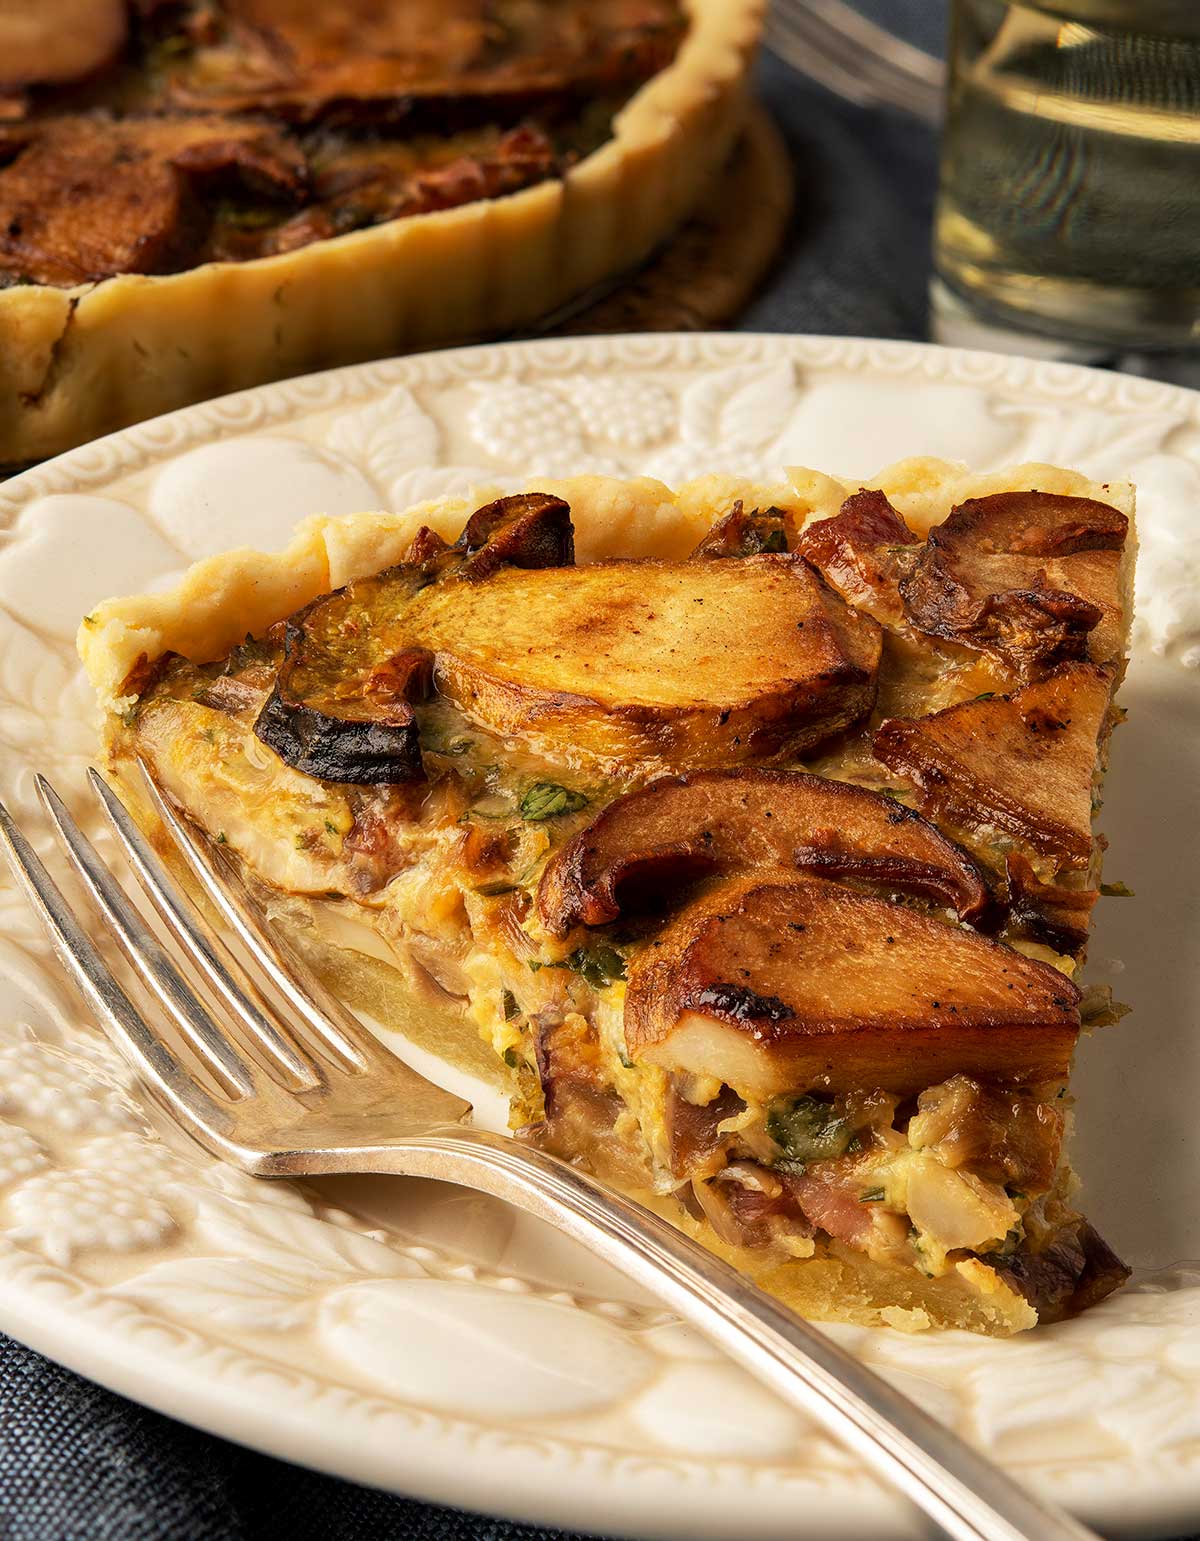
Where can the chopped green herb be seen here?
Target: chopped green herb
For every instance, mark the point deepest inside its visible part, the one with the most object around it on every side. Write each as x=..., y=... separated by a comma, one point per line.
x=872, y=1196
x=985, y=695
x=509, y=1002
x=806, y=1129
x=454, y=746
x=331, y=826
x=129, y=717
x=1016, y=1193
x=546, y=800
x=628, y=1063
x=775, y=541
x=493, y=890
x=221, y=840
x=599, y=965
x=1116, y=891
x=89, y=620
x=510, y=1058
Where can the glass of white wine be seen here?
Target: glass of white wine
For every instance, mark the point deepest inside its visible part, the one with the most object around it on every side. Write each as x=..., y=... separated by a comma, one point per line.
x=1069, y=201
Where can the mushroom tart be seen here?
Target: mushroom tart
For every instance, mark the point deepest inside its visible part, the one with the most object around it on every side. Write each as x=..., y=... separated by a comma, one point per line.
x=201, y=195
x=750, y=848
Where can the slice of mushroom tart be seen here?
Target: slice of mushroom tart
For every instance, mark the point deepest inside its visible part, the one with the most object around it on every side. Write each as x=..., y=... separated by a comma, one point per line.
x=744, y=834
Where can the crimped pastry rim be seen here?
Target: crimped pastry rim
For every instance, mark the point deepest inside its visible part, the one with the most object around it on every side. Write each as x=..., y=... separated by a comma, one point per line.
x=71, y=359
x=221, y=598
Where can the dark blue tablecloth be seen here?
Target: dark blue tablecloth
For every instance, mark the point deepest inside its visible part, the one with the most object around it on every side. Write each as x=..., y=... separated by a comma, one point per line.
x=79, y=1462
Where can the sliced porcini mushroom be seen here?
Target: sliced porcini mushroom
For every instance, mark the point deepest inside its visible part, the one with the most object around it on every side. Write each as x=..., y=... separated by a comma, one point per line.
x=1073, y=1271
x=361, y=63
x=1049, y=912
x=342, y=705
x=862, y=552
x=743, y=532
x=54, y=42
x=651, y=663
x=654, y=663
x=1023, y=763
x=1003, y=1134
x=529, y=529
x=730, y=822
x=778, y=988
x=131, y=208
x=1026, y=576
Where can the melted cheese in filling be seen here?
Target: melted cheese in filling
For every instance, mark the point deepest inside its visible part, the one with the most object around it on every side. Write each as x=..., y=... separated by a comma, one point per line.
x=447, y=904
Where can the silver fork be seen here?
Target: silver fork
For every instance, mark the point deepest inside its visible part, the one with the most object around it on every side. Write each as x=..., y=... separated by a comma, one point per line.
x=831, y=42
x=309, y=1092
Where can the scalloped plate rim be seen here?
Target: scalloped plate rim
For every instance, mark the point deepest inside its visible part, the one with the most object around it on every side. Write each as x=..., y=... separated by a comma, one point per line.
x=629, y=1494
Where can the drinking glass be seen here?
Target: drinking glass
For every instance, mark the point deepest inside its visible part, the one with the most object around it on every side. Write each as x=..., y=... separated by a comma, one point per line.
x=1069, y=199
x=1068, y=214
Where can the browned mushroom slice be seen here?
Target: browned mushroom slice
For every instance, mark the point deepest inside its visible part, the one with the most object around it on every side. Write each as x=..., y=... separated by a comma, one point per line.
x=1024, y=763
x=667, y=664
x=436, y=63
x=54, y=42
x=129, y=210
x=1049, y=912
x=530, y=529
x=1003, y=1134
x=791, y=987
x=341, y=708
x=860, y=551
x=746, y=533
x=1028, y=576
x=736, y=821
x=1071, y=1272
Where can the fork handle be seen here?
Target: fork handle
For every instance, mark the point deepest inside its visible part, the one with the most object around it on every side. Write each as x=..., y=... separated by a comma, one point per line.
x=968, y=1496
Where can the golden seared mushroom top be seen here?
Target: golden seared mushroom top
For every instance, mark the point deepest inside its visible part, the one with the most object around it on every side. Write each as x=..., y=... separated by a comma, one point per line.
x=807, y=984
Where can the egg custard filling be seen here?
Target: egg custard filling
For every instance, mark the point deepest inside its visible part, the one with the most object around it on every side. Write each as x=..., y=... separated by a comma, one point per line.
x=745, y=834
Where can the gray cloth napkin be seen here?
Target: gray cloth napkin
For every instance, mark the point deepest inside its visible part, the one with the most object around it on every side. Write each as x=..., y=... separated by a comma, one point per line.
x=78, y=1462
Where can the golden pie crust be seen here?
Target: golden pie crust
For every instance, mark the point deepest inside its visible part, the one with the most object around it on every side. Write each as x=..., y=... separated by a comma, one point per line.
x=79, y=362
x=221, y=599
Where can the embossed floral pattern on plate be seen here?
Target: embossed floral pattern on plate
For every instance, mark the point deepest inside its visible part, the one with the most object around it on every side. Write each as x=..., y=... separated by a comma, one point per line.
x=433, y=1341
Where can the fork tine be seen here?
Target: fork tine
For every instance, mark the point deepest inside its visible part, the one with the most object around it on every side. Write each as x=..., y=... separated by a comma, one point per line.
x=149, y=1056
x=834, y=44
x=176, y=914
x=141, y=947
x=334, y=1026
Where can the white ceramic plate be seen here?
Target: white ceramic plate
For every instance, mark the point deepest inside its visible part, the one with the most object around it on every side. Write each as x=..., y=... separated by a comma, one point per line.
x=418, y=1337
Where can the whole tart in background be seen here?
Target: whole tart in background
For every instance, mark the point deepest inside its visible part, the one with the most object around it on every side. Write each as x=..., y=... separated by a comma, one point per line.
x=197, y=197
